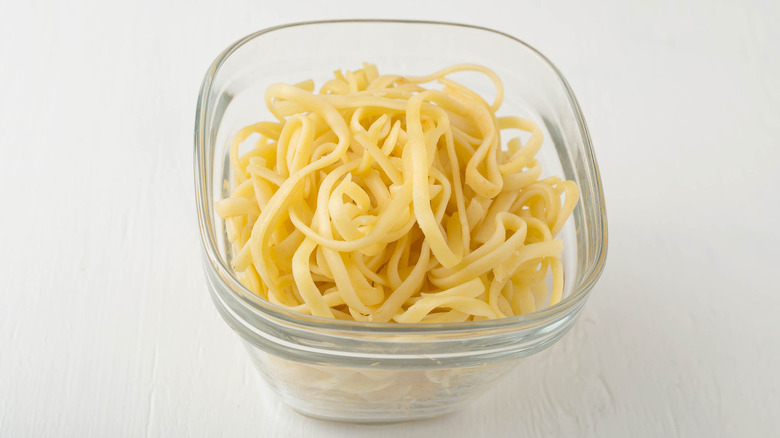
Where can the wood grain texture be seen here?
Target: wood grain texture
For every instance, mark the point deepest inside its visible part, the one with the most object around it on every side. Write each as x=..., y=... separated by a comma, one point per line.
x=106, y=327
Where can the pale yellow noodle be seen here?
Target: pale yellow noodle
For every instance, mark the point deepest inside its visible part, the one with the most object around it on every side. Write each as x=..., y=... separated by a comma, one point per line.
x=377, y=199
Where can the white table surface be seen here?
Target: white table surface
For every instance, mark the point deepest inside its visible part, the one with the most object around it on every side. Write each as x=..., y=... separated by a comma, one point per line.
x=106, y=326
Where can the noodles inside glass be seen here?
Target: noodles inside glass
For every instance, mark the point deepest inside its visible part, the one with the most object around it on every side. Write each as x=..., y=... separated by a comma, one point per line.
x=378, y=199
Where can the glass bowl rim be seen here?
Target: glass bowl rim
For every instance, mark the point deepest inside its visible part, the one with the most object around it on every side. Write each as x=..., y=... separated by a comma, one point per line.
x=267, y=310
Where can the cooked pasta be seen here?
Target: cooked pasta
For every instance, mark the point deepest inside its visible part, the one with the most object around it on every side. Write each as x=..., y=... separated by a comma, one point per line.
x=377, y=199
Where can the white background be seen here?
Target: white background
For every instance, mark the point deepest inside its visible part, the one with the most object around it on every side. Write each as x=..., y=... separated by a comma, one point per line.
x=106, y=326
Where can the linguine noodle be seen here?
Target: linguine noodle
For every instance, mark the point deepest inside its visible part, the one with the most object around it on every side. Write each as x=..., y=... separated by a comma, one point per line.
x=377, y=199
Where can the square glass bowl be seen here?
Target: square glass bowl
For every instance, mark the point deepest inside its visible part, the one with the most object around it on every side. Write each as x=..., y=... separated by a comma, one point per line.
x=381, y=372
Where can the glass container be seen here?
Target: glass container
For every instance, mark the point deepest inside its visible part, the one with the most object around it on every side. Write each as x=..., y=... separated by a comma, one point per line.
x=381, y=372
